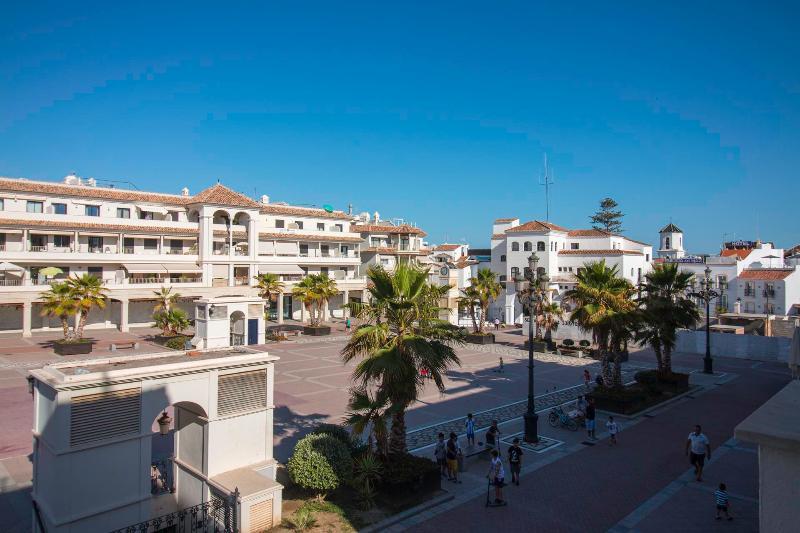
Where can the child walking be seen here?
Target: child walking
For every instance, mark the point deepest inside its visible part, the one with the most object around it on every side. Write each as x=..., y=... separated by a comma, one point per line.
x=497, y=477
x=470, y=425
x=721, y=498
x=613, y=429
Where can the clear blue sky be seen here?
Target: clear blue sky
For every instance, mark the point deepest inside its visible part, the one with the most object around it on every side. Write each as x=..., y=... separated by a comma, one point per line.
x=436, y=112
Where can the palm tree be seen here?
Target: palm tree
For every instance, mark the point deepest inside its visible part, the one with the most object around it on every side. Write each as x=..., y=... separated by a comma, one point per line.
x=88, y=292
x=470, y=298
x=400, y=338
x=370, y=411
x=314, y=291
x=59, y=302
x=269, y=285
x=549, y=319
x=171, y=322
x=488, y=290
x=165, y=299
x=325, y=289
x=603, y=303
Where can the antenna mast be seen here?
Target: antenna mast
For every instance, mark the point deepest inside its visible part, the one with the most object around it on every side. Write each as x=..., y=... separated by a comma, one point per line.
x=546, y=181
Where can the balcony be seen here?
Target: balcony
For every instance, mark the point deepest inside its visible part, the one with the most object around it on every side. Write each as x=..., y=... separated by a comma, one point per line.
x=175, y=251
x=749, y=292
x=10, y=282
x=37, y=248
x=240, y=281
x=161, y=280
x=128, y=250
x=768, y=293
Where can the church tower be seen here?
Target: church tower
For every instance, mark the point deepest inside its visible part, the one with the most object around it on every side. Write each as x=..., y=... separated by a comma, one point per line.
x=671, y=242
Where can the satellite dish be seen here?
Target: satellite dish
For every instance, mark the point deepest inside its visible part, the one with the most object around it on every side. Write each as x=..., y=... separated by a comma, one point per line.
x=328, y=208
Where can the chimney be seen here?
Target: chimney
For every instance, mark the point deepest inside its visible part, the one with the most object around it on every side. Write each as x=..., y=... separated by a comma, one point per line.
x=264, y=199
x=185, y=191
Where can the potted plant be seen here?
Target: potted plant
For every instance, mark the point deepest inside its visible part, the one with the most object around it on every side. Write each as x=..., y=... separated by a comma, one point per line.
x=314, y=291
x=74, y=297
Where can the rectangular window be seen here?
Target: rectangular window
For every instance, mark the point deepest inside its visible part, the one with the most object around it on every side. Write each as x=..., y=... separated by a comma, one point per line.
x=324, y=250
x=278, y=223
x=145, y=215
x=95, y=244
x=59, y=209
x=34, y=207
x=2, y=204
x=176, y=246
x=323, y=271
x=299, y=224
x=151, y=244
x=303, y=250
x=92, y=210
x=320, y=226
x=647, y=257
x=574, y=246
x=97, y=272
x=344, y=250
x=339, y=227
x=127, y=245
x=374, y=241
x=61, y=241
x=123, y=212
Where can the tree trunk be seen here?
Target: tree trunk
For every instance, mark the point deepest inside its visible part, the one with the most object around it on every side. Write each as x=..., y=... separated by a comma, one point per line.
x=605, y=366
x=659, y=359
x=483, y=319
x=667, y=365
x=617, y=377
x=82, y=324
x=397, y=439
x=474, y=320
x=65, y=325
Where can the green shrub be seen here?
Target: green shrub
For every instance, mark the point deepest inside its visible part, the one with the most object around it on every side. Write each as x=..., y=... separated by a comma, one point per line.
x=568, y=342
x=301, y=520
x=583, y=343
x=321, y=463
x=177, y=343
x=341, y=434
x=646, y=377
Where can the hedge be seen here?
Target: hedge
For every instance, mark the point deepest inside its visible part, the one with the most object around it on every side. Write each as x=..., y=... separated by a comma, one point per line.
x=321, y=463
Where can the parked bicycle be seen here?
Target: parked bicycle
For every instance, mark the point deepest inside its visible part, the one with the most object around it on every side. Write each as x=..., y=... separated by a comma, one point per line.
x=559, y=418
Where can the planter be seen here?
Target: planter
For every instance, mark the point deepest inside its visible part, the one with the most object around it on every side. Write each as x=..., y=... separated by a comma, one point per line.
x=676, y=383
x=538, y=346
x=570, y=352
x=316, y=331
x=477, y=338
x=72, y=348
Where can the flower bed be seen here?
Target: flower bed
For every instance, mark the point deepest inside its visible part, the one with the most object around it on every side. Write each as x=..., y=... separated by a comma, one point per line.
x=650, y=389
x=73, y=347
x=480, y=338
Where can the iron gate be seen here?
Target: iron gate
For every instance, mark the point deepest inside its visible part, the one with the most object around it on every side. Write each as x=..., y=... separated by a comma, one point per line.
x=220, y=515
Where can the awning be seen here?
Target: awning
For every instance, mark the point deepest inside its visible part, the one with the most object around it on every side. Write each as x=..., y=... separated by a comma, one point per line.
x=153, y=209
x=279, y=269
x=183, y=268
x=144, y=268
x=10, y=267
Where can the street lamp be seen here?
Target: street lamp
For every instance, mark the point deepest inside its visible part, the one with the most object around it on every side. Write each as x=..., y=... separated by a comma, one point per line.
x=531, y=294
x=706, y=294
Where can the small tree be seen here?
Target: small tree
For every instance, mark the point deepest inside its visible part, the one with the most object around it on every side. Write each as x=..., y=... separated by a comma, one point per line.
x=488, y=290
x=269, y=285
x=314, y=291
x=171, y=322
x=470, y=299
x=165, y=299
x=59, y=302
x=550, y=319
x=88, y=292
x=320, y=463
x=608, y=217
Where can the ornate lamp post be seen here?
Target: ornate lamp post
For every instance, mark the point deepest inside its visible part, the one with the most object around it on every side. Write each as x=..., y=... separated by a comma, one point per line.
x=706, y=294
x=531, y=294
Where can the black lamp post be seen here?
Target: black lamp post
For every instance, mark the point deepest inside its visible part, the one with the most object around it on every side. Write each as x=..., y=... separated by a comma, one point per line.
x=531, y=294
x=706, y=294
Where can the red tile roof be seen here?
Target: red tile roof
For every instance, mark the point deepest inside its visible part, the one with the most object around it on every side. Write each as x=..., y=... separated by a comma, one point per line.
x=387, y=228
x=308, y=237
x=740, y=253
x=766, y=274
x=279, y=209
x=85, y=191
x=221, y=195
x=537, y=226
x=589, y=233
x=504, y=220
x=599, y=252
x=123, y=228
x=447, y=248
x=497, y=236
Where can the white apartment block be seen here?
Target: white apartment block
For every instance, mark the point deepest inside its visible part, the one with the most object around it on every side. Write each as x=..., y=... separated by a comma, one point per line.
x=561, y=252
x=387, y=243
x=211, y=243
x=450, y=264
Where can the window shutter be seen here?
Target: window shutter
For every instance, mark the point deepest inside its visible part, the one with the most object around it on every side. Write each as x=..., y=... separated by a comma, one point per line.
x=242, y=392
x=104, y=415
x=261, y=516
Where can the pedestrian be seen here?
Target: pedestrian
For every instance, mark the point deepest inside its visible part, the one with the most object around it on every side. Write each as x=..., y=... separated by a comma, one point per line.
x=501, y=369
x=698, y=448
x=347, y=325
x=590, y=414
x=587, y=377
x=452, y=453
x=515, y=461
x=493, y=436
x=440, y=453
x=497, y=324
x=613, y=429
x=723, y=505
x=470, y=425
x=496, y=477
x=599, y=380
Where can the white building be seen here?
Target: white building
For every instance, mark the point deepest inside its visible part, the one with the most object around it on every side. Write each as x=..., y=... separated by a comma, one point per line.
x=671, y=242
x=451, y=264
x=387, y=243
x=561, y=252
x=211, y=243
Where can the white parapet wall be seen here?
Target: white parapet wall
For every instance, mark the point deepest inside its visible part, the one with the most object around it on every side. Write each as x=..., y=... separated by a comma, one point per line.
x=739, y=346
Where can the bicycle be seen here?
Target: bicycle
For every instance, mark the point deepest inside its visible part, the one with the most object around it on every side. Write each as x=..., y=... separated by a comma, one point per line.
x=559, y=418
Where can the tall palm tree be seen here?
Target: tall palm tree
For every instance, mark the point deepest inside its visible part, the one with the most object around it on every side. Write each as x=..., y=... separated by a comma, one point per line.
x=325, y=288
x=488, y=290
x=269, y=285
x=59, y=302
x=603, y=302
x=470, y=298
x=400, y=337
x=165, y=299
x=88, y=292
x=549, y=319
x=367, y=411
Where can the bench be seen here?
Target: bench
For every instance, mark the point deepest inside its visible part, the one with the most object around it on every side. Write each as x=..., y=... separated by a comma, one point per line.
x=116, y=345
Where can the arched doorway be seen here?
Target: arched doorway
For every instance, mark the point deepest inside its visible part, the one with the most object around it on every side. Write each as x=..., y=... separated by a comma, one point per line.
x=238, y=328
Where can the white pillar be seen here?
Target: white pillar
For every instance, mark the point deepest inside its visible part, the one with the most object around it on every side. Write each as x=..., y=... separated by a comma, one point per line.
x=252, y=238
x=230, y=275
x=280, y=308
x=123, y=316
x=345, y=300
x=27, y=312
x=107, y=312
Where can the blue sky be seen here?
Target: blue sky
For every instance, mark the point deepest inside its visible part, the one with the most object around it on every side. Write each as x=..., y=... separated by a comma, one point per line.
x=436, y=112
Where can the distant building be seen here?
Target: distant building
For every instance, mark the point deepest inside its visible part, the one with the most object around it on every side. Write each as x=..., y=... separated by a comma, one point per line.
x=671, y=242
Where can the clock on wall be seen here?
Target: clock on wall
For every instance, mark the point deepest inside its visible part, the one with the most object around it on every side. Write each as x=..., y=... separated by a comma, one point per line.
x=444, y=271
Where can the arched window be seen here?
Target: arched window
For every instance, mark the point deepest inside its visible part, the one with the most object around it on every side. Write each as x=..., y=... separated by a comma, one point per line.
x=666, y=243
x=514, y=272
x=503, y=258
x=528, y=246
x=515, y=247
x=540, y=246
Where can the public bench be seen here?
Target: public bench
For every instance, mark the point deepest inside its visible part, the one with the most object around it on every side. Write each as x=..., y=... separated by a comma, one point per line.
x=117, y=345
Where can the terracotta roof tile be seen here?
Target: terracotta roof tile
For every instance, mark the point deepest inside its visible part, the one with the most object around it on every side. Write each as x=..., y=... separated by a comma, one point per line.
x=447, y=248
x=536, y=225
x=278, y=209
x=498, y=236
x=387, y=228
x=504, y=220
x=766, y=274
x=589, y=233
x=125, y=228
x=308, y=237
x=739, y=253
x=85, y=191
x=599, y=252
x=221, y=195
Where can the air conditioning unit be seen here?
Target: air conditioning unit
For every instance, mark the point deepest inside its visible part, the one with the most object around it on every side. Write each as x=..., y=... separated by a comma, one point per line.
x=292, y=225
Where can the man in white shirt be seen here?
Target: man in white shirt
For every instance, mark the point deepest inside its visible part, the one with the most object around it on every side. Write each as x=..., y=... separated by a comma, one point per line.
x=698, y=449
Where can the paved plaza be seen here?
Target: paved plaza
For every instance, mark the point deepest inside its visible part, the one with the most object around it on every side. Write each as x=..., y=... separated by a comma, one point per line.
x=641, y=485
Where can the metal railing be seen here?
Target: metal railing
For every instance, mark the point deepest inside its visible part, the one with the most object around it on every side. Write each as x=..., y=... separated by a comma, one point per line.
x=162, y=477
x=127, y=249
x=174, y=251
x=37, y=248
x=10, y=282
x=769, y=293
x=220, y=515
x=240, y=280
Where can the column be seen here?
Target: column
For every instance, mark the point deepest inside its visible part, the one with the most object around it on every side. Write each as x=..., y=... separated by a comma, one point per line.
x=364, y=296
x=345, y=300
x=252, y=238
x=27, y=312
x=302, y=313
x=121, y=243
x=76, y=245
x=123, y=316
x=280, y=308
x=230, y=275
x=161, y=244
x=107, y=312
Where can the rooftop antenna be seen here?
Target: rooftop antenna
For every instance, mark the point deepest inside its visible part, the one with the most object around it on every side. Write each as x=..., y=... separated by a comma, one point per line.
x=546, y=181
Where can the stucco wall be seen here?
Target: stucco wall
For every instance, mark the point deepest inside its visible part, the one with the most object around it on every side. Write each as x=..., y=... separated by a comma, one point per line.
x=739, y=346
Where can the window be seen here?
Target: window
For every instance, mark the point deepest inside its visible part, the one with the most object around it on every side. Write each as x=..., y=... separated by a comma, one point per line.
x=528, y=246
x=540, y=246
x=573, y=246
x=515, y=247
x=303, y=250
x=384, y=261
x=145, y=215
x=59, y=209
x=503, y=258
x=61, y=241
x=374, y=242
x=173, y=216
x=324, y=250
x=527, y=271
x=560, y=269
x=127, y=245
x=639, y=273
x=176, y=246
x=34, y=207
x=514, y=272
x=95, y=244
x=92, y=210
x=344, y=250
x=666, y=243
x=323, y=271
x=502, y=279
x=647, y=257
x=299, y=224
x=338, y=227
x=123, y=212
x=2, y=204
x=279, y=223
x=570, y=269
x=97, y=272
x=320, y=226
x=151, y=244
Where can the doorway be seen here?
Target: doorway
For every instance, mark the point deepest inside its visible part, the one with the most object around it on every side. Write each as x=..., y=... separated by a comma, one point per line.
x=252, y=331
x=287, y=306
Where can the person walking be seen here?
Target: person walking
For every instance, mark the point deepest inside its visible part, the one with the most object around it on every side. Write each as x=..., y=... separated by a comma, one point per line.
x=493, y=436
x=440, y=453
x=452, y=452
x=722, y=501
x=515, y=461
x=698, y=449
x=587, y=378
x=497, y=324
x=590, y=415
x=496, y=477
x=347, y=325
x=613, y=429
x=470, y=425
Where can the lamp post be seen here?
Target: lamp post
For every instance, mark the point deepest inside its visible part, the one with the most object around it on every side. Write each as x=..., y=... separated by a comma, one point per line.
x=706, y=294
x=531, y=293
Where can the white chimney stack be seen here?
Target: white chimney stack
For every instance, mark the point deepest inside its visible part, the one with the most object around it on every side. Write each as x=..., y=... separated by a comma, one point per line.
x=185, y=191
x=264, y=199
